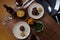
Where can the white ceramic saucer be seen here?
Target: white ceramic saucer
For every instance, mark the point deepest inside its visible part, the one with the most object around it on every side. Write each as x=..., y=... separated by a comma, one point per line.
x=17, y=31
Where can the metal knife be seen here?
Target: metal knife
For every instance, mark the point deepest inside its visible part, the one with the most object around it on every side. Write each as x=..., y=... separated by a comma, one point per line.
x=28, y=4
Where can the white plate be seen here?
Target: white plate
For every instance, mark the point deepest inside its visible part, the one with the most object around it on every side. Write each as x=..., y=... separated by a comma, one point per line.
x=37, y=6
x=16, y=30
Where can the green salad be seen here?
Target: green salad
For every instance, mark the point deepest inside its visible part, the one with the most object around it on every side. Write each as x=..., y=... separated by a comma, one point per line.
x=38, y=27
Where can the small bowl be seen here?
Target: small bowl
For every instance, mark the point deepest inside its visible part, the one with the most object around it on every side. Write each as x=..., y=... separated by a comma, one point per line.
x=38, y=25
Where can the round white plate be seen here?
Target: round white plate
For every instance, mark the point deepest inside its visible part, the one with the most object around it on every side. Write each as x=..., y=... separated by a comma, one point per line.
x=37, y=6
x=17, y=31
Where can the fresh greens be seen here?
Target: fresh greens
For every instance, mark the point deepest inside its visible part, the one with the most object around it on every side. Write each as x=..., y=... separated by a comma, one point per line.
x=38, y=26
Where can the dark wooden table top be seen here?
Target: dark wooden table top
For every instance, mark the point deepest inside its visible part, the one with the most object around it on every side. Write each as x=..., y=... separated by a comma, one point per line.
x=51, y=28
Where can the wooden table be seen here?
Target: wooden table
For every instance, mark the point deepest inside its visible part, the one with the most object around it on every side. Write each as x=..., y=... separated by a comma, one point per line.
x=51, y=28
x=5, y=33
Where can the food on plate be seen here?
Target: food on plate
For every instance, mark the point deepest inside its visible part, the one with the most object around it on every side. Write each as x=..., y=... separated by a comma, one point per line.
x=40, y=9
x=22, y=34
x=35, y=11
x=22, y=28
x=20, y=13
x=31, y=21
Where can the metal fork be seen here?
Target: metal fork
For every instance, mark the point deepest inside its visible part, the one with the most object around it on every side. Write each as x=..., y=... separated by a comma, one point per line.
x=28, y=3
